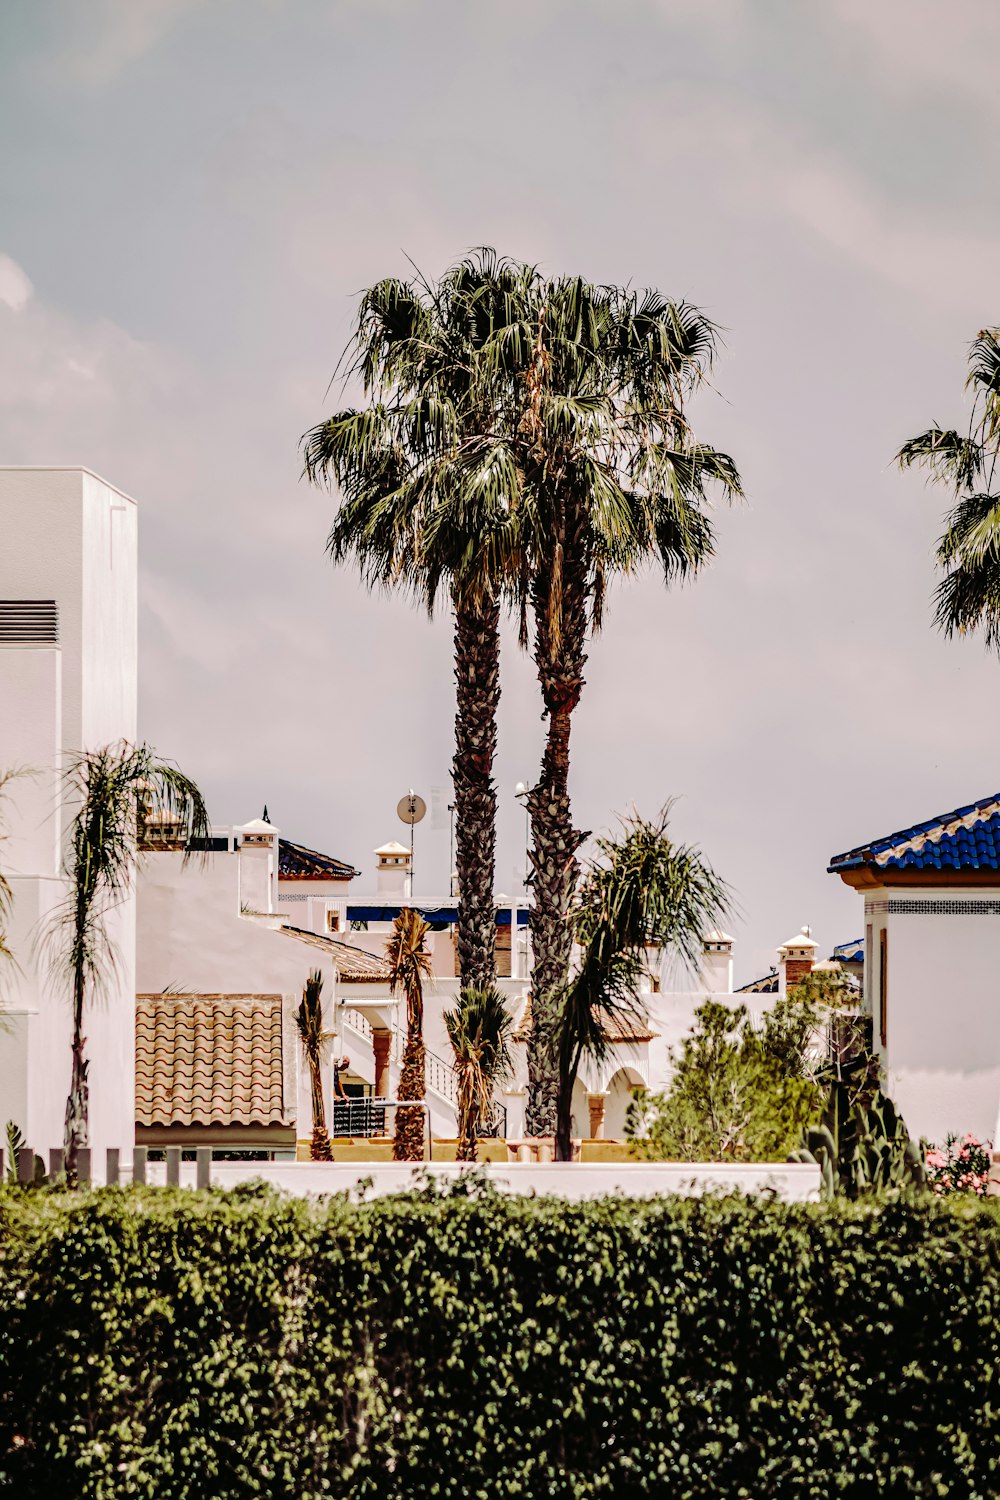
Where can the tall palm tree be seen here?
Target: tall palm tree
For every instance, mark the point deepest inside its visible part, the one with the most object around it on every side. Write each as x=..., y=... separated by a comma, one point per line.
x=120, y=790
x=427, y=506
x=611, y=477
x=968, y=595
x=639, y=890
x=309, y=1020
x=409, y=966
x=479, y=1029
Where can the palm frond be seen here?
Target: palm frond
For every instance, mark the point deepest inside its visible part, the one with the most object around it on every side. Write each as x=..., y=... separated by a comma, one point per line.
x=480, y=1031
x=946, y=454
x=640, y=890
x=409, y=962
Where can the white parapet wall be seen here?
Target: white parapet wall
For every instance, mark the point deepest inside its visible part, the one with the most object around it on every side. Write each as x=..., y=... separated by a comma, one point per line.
x=793, y=1182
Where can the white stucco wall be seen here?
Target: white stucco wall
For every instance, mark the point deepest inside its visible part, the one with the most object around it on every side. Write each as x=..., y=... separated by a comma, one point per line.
x=943, y=976
x=191, y=937
x=70, y=537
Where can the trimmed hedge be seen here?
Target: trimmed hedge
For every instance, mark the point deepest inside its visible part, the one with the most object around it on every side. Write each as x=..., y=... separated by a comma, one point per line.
x=175, y=1344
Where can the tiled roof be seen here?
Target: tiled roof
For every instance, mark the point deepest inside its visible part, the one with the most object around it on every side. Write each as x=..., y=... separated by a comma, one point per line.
x=767, y=985
x=616, y=1029
x=626, y=1028
x=966, y=839
x=208, y=1060
x=296, y=862
x=849, y=953
x=354, y=965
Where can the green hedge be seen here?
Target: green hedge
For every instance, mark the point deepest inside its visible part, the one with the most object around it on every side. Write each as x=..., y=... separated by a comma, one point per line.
x=174, y=1344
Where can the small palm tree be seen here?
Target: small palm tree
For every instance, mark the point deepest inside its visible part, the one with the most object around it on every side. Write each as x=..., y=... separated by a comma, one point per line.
x=640, y=890
x=118, y=789
x=968, y=551
x=479, y=1029
x=409, y=965
x=309, y=1020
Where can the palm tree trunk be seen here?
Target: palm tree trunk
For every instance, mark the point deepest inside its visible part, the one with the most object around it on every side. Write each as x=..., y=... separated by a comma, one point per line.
x=468, y=1135
x=77, y=1127
x=408, y=1140
x=564, y=1116
x=477, y=678
x=319, y=1149
x=560, y=659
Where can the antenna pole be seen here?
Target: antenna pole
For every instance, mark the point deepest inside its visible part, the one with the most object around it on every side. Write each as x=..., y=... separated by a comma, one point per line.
x=451, y=849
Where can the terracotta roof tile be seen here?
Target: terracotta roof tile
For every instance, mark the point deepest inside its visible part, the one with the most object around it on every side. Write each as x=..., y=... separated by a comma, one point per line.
x=208, y=1060
x=616, y=1028
x=354, y=965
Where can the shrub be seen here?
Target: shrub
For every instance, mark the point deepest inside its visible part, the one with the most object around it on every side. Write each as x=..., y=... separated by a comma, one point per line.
x=959, y=1166
x=738, y=1091
x=170, y=1344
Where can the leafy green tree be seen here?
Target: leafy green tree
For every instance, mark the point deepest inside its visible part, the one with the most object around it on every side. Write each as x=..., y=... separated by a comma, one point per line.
x=639, y=890
x=967, y=597
x=428, y=501
x=479, y=1029
x=119, y=790
x=739, y=1091
x=309, y=1020
x=596, y=381
x=409, y=966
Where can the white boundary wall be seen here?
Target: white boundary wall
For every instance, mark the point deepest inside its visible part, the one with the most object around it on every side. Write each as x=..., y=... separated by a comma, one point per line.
x=794, y=1182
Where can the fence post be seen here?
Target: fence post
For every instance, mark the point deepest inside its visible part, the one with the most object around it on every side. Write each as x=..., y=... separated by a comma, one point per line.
x=203, y=1156
x=57, y=1162
x=83, y=1165
x=139, y=1164
x=114, y=1167
x=173, y=1166
x=25, y=1165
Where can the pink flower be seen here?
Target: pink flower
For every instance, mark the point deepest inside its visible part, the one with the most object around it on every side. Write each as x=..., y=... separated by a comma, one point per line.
x=936, y=1159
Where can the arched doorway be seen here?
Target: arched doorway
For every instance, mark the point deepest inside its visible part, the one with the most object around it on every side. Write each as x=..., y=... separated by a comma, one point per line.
x=620, y=1089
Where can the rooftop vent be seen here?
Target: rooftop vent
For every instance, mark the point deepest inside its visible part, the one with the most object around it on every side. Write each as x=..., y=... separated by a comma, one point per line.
x=29, y=622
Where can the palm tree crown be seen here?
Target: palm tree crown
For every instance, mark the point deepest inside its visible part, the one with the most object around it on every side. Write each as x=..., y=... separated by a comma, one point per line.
x=640, y=890
x=967, y=597
x=479, y=1029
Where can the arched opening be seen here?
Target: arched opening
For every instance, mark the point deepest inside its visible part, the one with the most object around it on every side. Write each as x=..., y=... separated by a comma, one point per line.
x=620, y=1089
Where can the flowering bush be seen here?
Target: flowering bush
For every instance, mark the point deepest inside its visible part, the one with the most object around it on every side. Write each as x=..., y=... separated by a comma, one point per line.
x=959, y=1166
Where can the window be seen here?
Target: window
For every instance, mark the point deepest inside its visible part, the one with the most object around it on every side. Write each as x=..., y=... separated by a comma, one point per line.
x=883, y=961
x=869, y=975
x=332, y=919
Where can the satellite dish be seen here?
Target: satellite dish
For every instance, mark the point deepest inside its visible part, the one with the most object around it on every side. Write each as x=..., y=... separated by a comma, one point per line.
x=411, y=808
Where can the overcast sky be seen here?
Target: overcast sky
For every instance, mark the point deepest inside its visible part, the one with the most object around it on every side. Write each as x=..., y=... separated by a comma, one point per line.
x=192, y=193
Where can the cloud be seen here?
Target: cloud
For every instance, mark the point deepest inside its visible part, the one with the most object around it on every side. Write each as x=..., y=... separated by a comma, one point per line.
x=15, y=288
x=921, y=42
x=115, y=35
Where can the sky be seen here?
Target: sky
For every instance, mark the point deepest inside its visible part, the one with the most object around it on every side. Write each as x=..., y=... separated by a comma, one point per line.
x=194, y=192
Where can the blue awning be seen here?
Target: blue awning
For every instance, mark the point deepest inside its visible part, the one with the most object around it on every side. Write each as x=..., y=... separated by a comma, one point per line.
x=445, y=916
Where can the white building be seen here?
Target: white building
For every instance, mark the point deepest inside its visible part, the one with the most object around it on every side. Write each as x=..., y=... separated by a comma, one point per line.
x=932, y=965
x=194, y=1041
x=68, y=675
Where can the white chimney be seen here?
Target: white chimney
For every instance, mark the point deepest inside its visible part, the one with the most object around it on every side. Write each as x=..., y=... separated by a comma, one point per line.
x=716, y=963
x=394, y=872
x=258, y=846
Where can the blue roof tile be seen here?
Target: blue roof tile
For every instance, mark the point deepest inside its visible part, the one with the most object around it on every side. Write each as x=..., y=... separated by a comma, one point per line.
x=966, y=839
